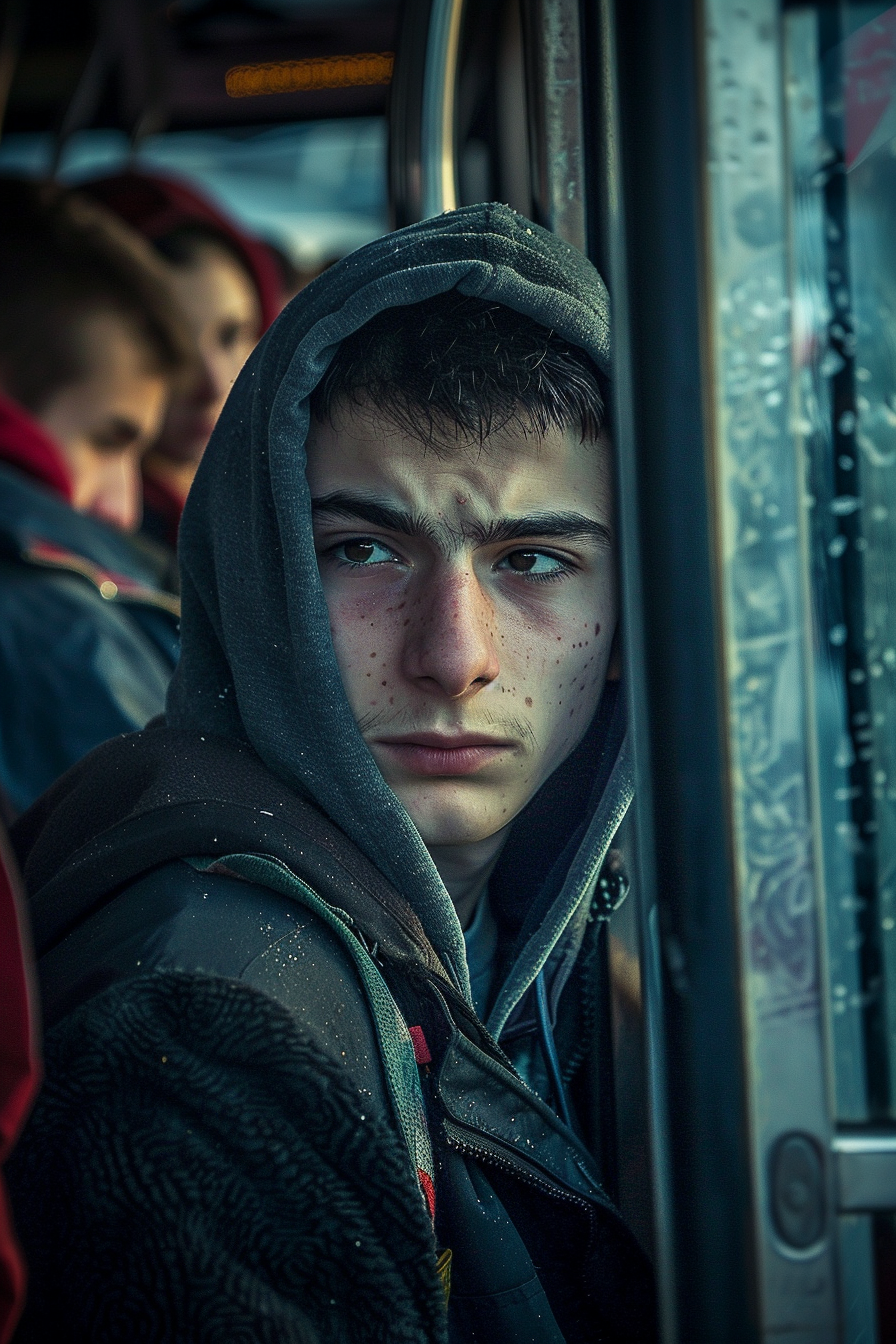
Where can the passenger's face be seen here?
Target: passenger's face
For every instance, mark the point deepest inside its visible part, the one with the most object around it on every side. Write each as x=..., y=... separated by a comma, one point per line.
x=104, y=422
x=472, y=602
x=222, y=307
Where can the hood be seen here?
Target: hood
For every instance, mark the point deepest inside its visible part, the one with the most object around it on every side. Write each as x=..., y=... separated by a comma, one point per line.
x=156, y=205
x=257, y=661
x=26, y=445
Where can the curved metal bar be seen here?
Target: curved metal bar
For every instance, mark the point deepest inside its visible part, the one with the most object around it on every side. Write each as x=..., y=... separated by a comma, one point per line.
x=438, y=150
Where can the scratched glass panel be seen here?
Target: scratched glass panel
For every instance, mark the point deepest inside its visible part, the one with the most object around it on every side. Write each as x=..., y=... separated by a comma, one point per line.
x=841, y=125
x=764, y=621
x=841, y=115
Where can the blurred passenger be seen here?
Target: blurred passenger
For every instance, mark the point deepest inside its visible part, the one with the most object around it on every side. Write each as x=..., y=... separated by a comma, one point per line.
x=229, y=287
x=91, y=345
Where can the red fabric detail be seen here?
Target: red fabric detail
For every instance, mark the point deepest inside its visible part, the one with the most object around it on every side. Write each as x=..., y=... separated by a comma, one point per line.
x=421, y=1049
x=163, y=501
x=48, y=553
x=19, y=1073
x=26, y=445
x=429, y=1191
x=869, y=77
x=156, y=205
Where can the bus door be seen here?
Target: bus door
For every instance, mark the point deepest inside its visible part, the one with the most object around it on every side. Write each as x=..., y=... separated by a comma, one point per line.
x=731, y=168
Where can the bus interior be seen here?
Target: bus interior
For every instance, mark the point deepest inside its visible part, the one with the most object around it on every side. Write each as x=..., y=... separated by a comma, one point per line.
x=730, y=167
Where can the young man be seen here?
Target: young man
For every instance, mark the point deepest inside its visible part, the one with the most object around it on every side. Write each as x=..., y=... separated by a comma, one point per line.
x=91, y=345
x=275, y=1110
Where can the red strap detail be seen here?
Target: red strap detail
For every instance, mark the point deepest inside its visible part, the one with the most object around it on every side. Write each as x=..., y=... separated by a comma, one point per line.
x=429, y=1191
x=421, y=1049
x=49, y=553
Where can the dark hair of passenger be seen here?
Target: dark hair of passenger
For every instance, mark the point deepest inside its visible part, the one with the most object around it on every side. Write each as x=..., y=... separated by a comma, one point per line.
x=184, y=245
x=64, y=260
x=456, y=367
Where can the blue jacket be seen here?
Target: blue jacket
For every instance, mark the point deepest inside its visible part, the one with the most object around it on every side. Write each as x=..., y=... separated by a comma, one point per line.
x=88, y=637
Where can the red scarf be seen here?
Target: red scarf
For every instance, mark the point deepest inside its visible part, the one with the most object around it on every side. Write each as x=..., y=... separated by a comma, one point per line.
x=26, y=445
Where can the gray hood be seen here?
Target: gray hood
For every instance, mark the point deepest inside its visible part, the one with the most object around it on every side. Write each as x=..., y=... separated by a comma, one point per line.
x=257, y=660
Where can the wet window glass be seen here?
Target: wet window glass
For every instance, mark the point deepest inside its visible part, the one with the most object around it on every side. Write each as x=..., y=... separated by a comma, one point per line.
x=840, y=78
x=843, y=147
x=801, y=268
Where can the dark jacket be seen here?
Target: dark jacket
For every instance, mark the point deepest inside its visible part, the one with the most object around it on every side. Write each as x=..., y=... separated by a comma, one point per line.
x=88, y=636
x=253, y=842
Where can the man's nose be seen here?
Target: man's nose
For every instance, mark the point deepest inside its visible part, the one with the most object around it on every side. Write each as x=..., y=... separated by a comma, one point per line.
x=450, y=638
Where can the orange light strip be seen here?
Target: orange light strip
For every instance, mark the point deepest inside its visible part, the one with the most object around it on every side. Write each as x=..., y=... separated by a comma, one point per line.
x=316, y=72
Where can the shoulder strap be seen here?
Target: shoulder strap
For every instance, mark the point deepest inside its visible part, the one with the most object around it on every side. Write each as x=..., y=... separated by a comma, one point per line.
x=396, y=1046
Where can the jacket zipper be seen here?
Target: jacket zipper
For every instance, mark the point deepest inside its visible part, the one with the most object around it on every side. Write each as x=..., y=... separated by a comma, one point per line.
x=492, y=1155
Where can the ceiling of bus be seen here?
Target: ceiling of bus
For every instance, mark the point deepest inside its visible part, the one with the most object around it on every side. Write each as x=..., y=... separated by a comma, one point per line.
x=136, y=65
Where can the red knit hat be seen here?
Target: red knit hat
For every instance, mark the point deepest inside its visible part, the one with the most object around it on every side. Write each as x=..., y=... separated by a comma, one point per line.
x=156, y=206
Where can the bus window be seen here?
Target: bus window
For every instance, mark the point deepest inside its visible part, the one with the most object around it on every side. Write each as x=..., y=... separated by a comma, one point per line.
x=841, y=68
x=751, y=237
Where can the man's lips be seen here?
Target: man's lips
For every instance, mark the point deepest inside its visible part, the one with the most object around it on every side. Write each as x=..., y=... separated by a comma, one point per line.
x=445, y=753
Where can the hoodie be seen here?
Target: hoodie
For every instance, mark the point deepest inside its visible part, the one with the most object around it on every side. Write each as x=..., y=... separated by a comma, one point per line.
x=260, y=755
x=249, y=642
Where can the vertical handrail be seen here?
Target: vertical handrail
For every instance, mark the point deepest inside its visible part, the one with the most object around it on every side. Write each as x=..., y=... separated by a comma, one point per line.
x=685, y=882
x=437, y=130
x=553, y=37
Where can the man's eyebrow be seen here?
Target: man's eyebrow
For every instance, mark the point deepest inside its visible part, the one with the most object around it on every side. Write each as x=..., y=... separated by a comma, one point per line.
x=557, y=526
x=345, y=504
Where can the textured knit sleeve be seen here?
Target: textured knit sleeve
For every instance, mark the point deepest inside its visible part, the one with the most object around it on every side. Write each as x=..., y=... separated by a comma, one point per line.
x=196, y=1170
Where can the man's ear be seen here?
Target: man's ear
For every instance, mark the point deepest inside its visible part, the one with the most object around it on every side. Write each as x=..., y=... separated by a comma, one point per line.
x=614, y=667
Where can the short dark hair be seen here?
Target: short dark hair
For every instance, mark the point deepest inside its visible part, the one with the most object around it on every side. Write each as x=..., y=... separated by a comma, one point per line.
x=460, y=367
x=64, y=260
x=184, y=245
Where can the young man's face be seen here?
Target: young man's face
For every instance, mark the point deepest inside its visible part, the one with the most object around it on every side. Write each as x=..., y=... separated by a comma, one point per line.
x=104, y=422
x=472, y=601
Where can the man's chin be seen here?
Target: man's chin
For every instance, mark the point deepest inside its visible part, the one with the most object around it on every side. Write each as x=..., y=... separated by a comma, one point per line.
x=454, y=826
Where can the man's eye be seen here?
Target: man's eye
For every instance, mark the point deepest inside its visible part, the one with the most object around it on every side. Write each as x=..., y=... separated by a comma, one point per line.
x=534, y=564
x=364, y=552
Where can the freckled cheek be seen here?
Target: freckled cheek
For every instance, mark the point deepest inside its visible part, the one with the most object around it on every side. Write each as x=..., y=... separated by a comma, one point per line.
x=365, y=641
